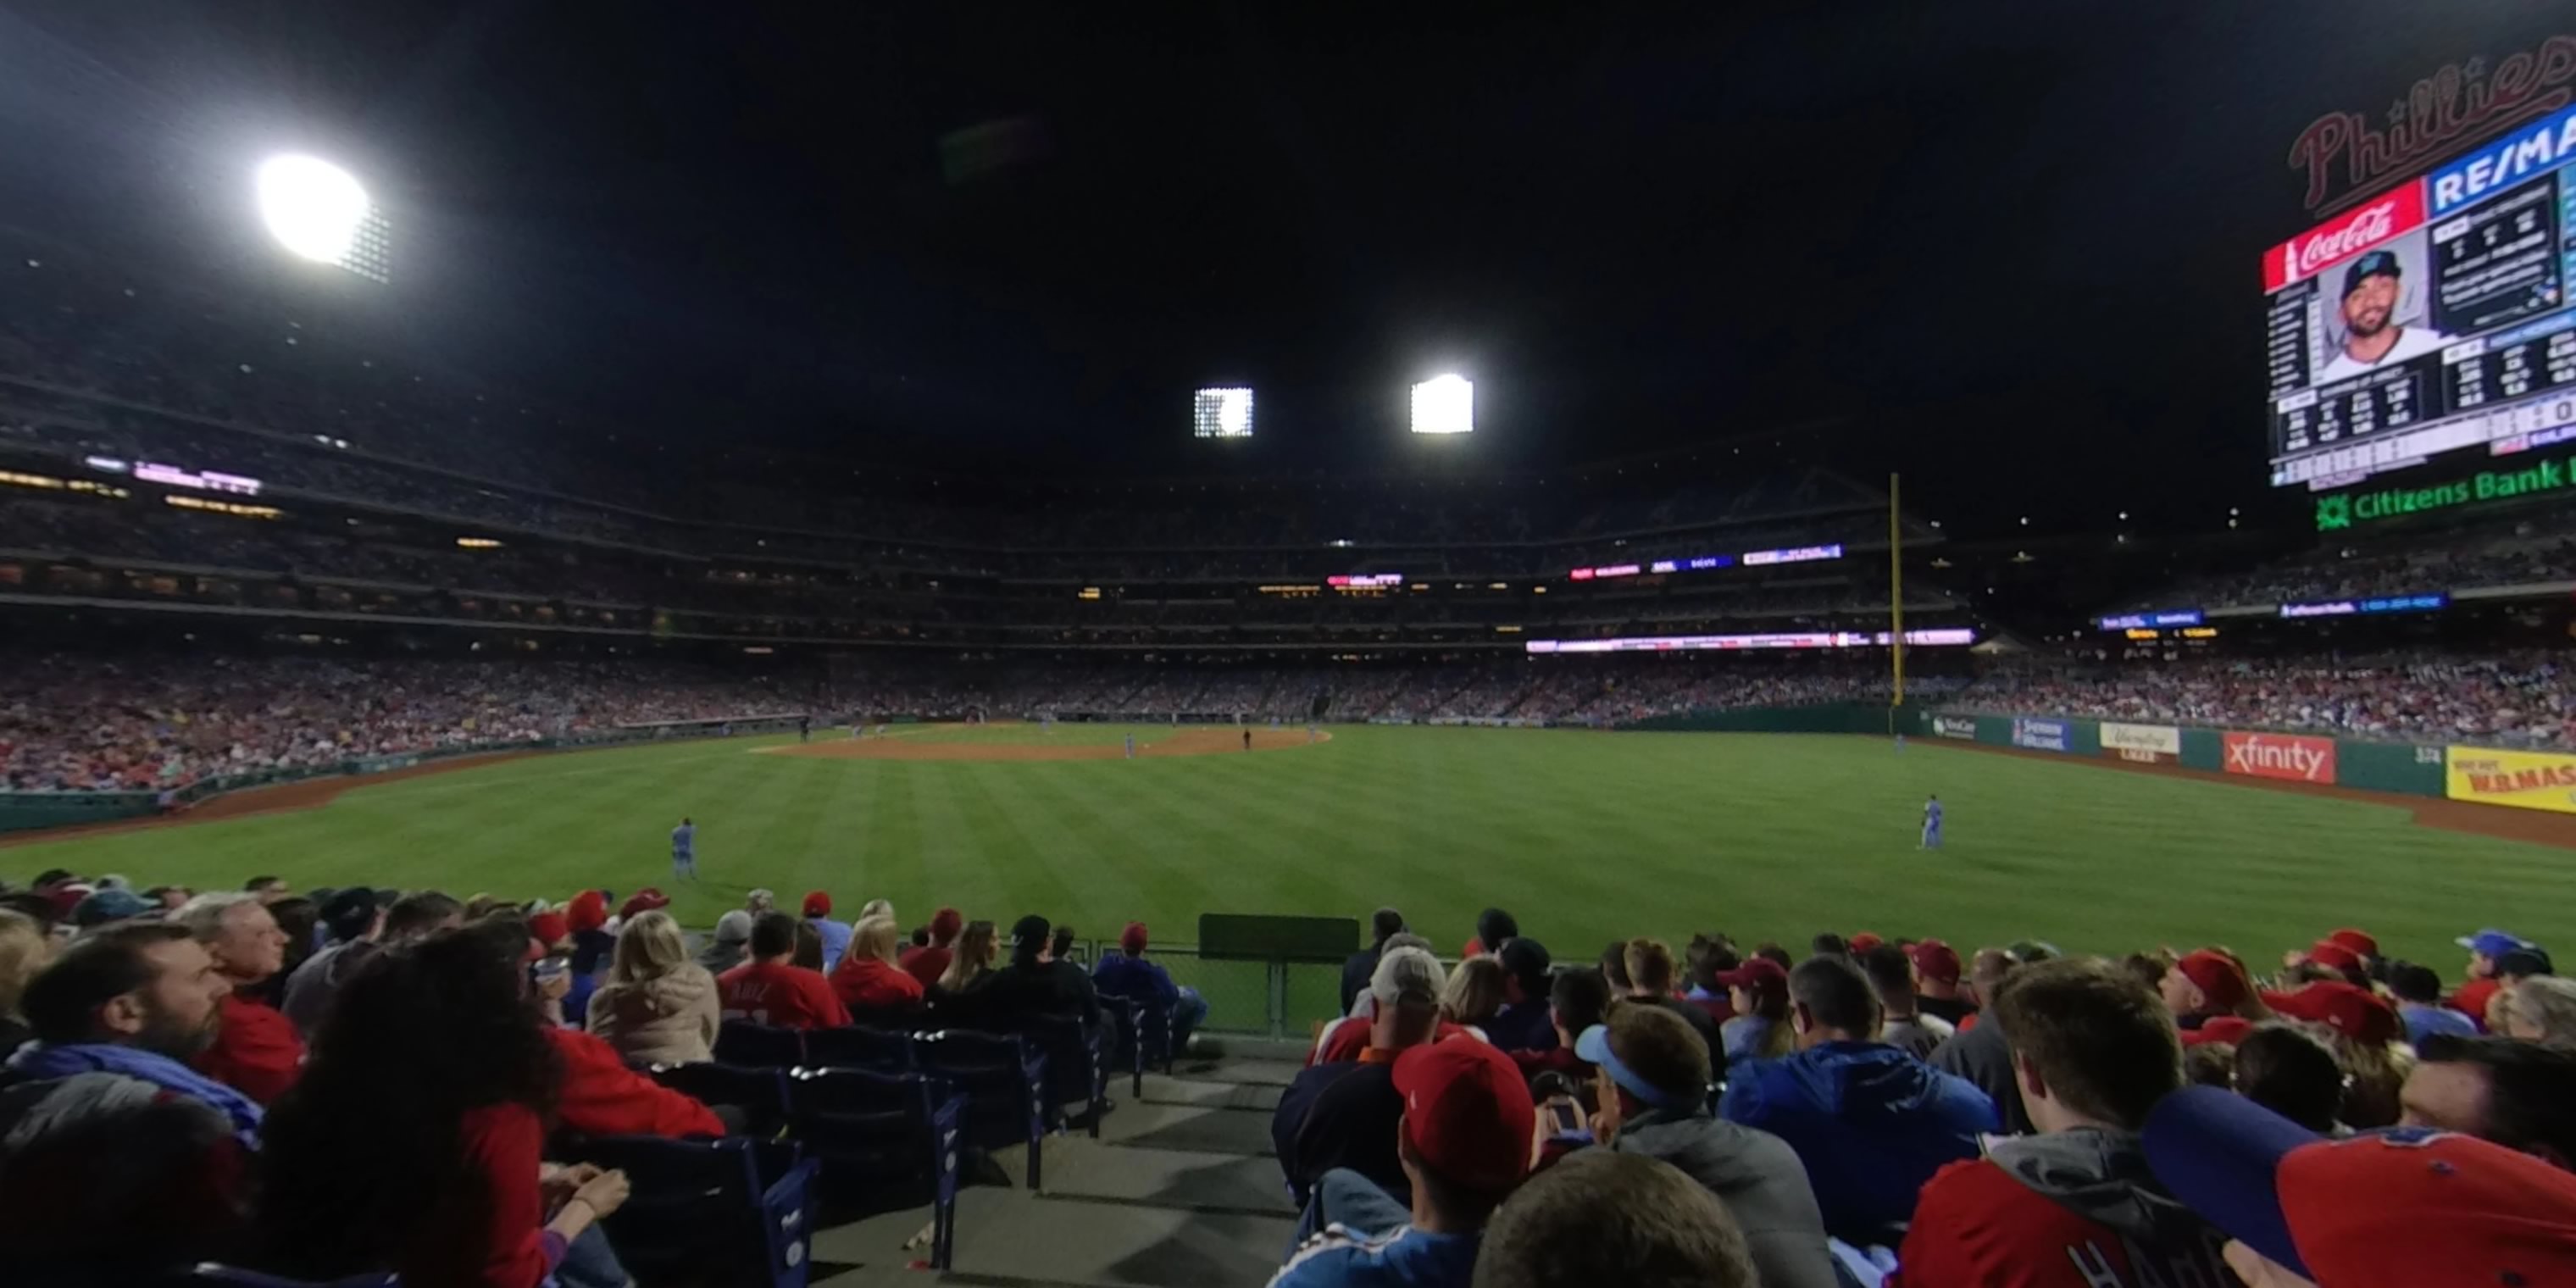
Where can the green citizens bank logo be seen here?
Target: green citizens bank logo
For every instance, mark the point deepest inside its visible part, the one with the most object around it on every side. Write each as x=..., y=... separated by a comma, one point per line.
x=2344, y=509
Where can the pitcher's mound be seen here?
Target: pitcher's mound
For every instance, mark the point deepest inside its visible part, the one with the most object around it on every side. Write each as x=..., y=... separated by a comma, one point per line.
x=1187, y=742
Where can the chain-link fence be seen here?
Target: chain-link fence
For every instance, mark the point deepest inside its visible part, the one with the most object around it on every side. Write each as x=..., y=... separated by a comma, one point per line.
x=1285, y=999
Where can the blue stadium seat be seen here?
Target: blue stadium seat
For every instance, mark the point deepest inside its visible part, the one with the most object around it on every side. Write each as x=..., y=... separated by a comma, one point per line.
x=891, y=1019
x=861, y=1048
x=759, y=1046
x=885, y=1135
x=1144, y=1037
x=761, y=1094
x=728, y=1213
x=1077, y=1066
x=1005, y=1081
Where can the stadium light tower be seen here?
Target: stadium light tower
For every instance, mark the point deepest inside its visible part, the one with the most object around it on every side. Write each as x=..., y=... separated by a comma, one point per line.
x=1222, y=413
x=318, y=211
x=1444, y=405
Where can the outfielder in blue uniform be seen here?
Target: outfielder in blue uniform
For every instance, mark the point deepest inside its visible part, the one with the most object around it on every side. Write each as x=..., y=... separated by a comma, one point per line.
x=684, y=851
x=1932, y=823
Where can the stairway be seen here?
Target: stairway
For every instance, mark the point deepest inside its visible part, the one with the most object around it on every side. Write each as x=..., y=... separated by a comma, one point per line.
x=1181, y=1190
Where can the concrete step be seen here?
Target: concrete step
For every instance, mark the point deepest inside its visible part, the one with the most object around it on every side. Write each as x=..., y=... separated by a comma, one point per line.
x=1194, y=1180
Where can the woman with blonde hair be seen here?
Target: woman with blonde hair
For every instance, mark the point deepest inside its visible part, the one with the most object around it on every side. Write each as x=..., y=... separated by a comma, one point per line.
x=973, y=961
x=1474, y=993
x=868, y=978
x=657, y=1006
x=25, y=948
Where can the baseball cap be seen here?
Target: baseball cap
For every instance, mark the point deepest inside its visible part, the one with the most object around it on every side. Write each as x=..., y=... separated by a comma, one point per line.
x=647, y=899
x=115, y=903
x=1863, y=942
x=1936, y=960
x=2530, y=959
x=1467, y=1112
x=2228, y=1029
x=1525, y=959
x=2217, y=976
x=1132, y=939
x=1405, y=970
x=2371, y=265
x=818, y=904
x=350, y=913
x=1031, y=929
x=549, y=928
x=734, y=927
x=946, y=923
x=2492, y=942
x=586, y=911
x=2333, y=956
x=1756, y=975
x=2359, y=941
x=1593, y=1048
x=2355, y=1012
x=2407, y=1207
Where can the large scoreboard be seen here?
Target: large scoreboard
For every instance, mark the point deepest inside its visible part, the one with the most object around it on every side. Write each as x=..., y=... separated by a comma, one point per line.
x=2431, y=318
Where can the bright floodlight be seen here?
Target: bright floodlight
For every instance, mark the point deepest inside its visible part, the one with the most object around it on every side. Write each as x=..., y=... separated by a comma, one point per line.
x=1222, y=413
x=312, y=207
x=1444, y=405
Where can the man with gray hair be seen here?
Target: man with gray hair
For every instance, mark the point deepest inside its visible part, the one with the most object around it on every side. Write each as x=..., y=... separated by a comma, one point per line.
x=2542, y=1010
x=1342, y=1113
x=256, y=1050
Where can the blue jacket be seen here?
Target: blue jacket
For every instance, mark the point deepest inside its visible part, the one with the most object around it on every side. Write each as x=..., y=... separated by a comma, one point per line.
x=1870, y=1123
x=1119, y=975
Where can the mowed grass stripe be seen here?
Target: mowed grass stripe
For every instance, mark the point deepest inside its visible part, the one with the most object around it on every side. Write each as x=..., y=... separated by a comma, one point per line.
x=1585, y=836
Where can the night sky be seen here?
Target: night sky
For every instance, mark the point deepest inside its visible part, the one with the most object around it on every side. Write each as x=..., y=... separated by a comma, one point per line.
x=2009, y=248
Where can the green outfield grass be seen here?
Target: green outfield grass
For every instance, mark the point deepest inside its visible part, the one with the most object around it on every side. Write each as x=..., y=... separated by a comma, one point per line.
x=1586, y=836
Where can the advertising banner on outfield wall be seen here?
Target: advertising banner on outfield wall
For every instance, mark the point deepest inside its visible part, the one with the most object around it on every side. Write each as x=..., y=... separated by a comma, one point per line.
x=2040, y=735
x=1955, y=727
x=2146, y=744
x=2522, y=779
x=2279, y=755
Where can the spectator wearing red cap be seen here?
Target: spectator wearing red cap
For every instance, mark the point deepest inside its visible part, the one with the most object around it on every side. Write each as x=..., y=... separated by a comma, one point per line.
x=256, y=1048
x=1871, y=1123
x=1464, y=1141
x=768, y=989
x=2326, y=959
x=1653, y=1100
x=2401, y=1210
x=1126, y=973
x=2207, y=982
x=2359, y=942
x=1936, y=982
x=2072, y=1206
x=642, y=901
x=868, y=978
x=834, y=934
x=1758, y=992
x=1861, y=943
x=552, y=931
x=930, y=961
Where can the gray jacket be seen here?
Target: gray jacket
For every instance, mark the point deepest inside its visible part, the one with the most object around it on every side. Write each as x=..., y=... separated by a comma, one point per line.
x=1759, y=1179
x=1981, y=1056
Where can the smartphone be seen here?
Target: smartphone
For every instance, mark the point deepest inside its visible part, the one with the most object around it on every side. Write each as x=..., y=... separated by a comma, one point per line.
x=1564, y=1119
x=546, y=970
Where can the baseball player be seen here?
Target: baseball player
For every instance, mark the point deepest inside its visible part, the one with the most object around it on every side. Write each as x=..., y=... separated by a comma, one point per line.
x=2372, y=339
x=684, y=851
x=1131, y=746
x=1931, y=823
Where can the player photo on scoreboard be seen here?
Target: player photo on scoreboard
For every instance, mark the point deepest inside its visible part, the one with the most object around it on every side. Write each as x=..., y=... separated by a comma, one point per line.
x=2374, y=310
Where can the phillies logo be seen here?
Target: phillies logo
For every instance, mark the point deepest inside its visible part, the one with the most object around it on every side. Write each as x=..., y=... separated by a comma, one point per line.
x=2306, y=760
x=2461, y=101
x=2318, y=249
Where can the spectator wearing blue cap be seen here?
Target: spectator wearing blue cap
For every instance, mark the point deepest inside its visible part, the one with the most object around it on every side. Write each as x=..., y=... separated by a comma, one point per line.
x=2485, y=947
x=109, y=905
x=1653, y=1100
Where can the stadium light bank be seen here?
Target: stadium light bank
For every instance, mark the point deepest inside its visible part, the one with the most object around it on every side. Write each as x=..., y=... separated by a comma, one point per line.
x=320, y=212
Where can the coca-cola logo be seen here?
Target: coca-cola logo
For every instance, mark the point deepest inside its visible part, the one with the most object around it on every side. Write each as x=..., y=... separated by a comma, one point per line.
x=2325, y=248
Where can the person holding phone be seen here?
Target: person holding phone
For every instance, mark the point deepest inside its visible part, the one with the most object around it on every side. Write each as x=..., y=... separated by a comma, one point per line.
x=1653, y=1098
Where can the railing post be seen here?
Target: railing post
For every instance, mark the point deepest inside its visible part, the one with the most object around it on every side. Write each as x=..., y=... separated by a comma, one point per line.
x=1278, y=998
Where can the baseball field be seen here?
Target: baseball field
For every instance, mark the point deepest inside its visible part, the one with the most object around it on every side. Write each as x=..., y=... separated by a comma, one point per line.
x=1586, y=836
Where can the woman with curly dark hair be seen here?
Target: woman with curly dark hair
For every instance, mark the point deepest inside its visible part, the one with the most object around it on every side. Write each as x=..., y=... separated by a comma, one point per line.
x=412, y=1142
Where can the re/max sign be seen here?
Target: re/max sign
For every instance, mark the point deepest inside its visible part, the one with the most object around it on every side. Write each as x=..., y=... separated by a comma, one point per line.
x=2344, y=509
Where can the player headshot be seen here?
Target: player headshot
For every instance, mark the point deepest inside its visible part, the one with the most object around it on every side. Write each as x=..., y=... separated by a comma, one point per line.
x=2372, y=339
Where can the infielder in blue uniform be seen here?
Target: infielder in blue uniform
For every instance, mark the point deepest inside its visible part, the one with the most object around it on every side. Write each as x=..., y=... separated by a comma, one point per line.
x=684, y=851
x=1932, y=823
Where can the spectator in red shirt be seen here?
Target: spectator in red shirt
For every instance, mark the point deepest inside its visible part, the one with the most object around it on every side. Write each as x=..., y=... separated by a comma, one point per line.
x=414, y=1145
x=2205, y=984
x=868, y=979
x=2073, y=1206
x=930, y=961
x=256, y=1049
x=768, y=990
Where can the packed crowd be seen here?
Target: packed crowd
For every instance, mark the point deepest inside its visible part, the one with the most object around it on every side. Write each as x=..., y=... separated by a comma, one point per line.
x=2515, y=551
x=72, y=722
x=369, y=1080
x=2511, y=699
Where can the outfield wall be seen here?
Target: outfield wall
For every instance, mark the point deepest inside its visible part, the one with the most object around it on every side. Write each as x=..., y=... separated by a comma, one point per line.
x=2412, y=769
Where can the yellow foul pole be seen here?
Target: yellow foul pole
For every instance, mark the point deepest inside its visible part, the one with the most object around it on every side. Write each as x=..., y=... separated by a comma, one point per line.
x=1895, y=593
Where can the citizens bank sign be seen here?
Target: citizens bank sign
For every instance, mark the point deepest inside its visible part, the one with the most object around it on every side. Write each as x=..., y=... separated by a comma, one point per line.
x=2344, y=509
